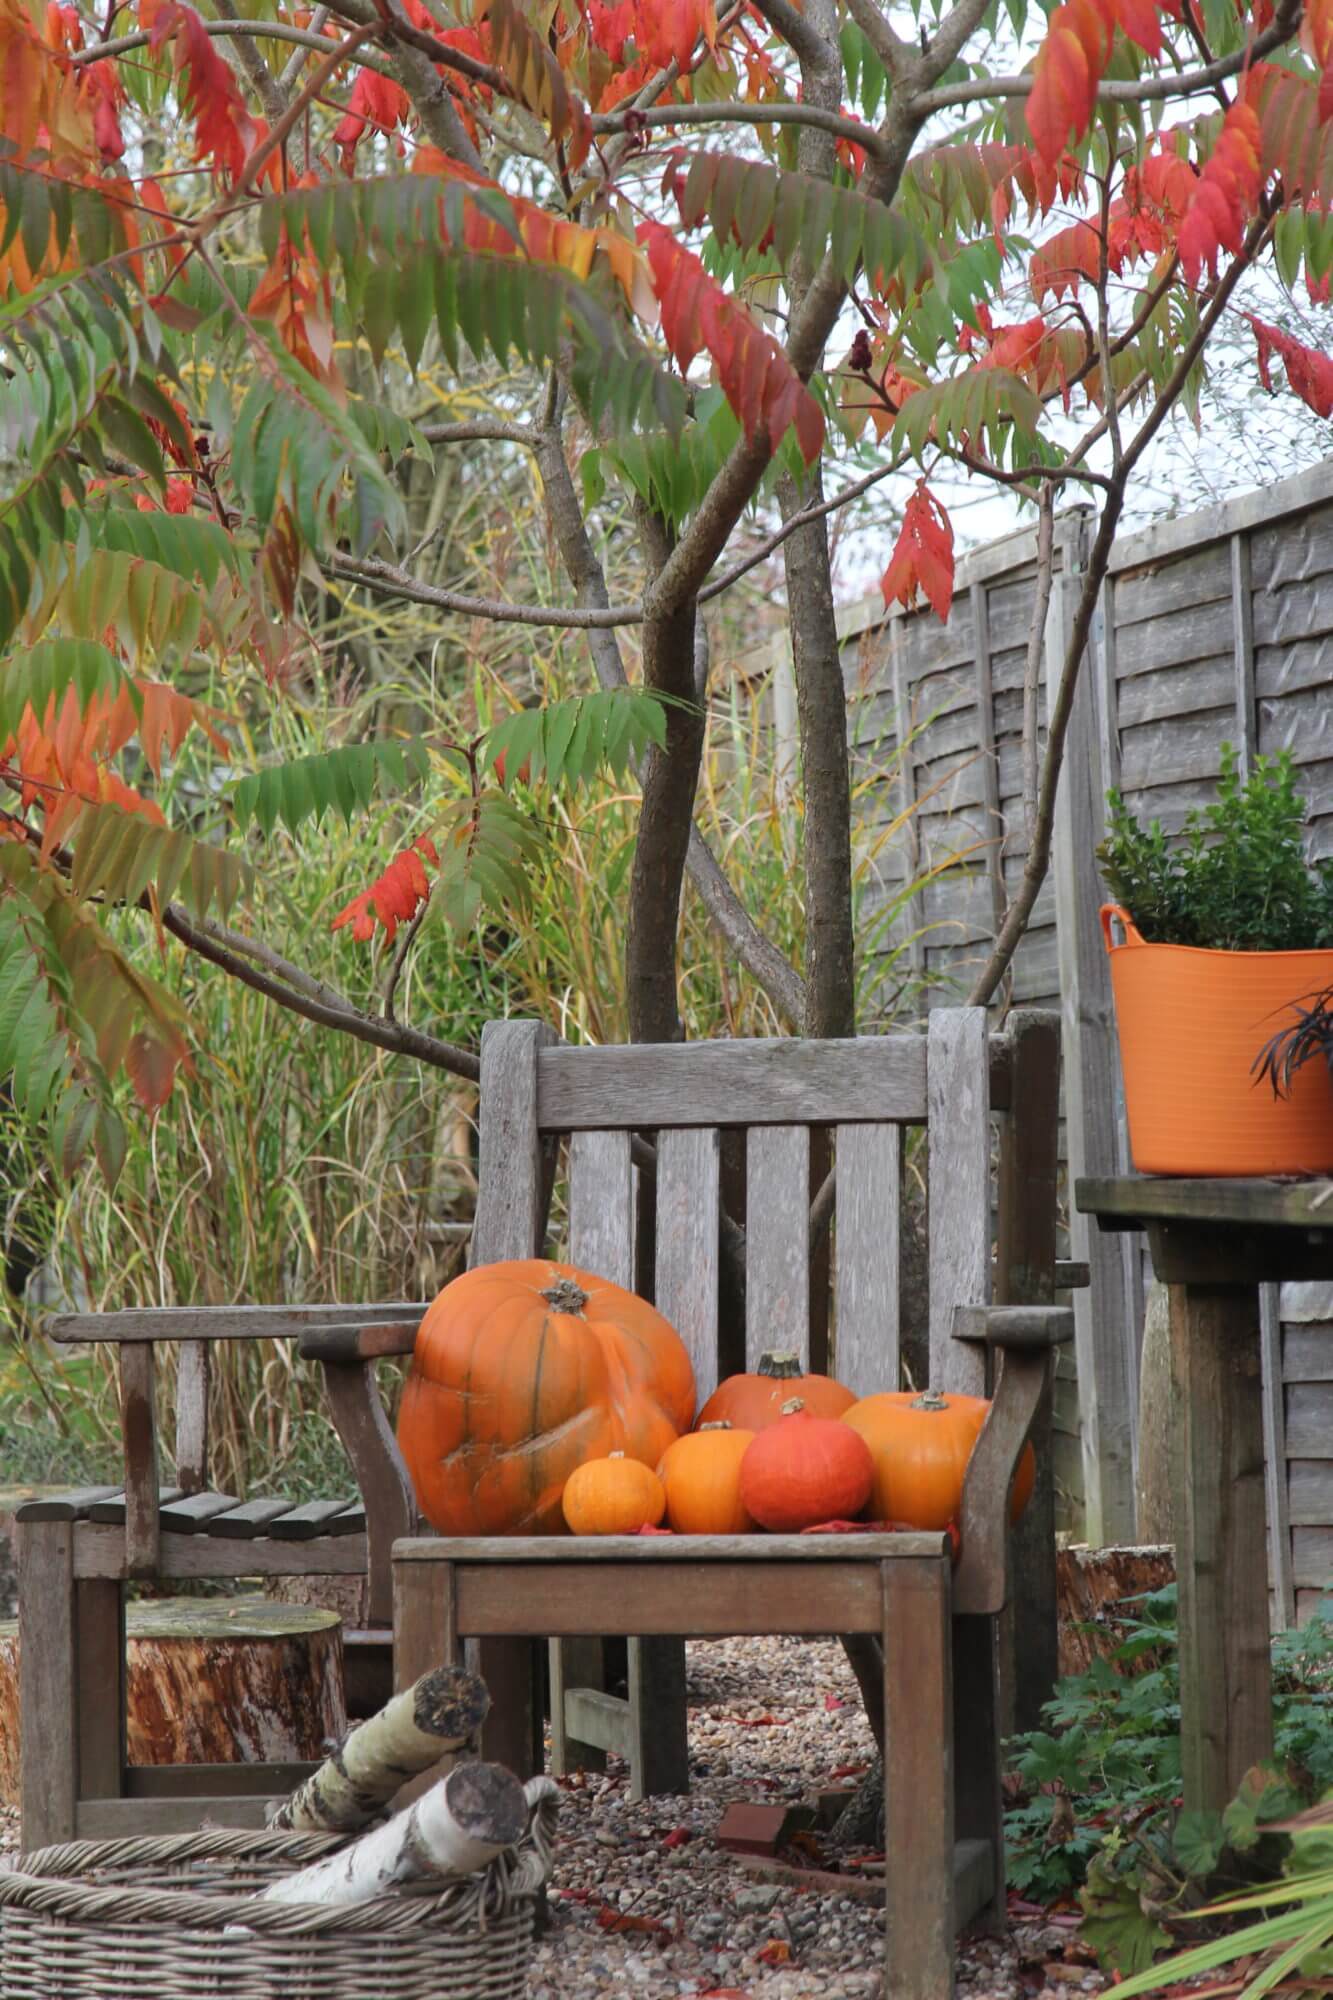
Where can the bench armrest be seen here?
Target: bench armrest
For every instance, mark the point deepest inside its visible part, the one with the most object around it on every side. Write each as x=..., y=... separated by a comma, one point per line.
x=1026, y=1337
x=363, y=1428
x=136, y=1323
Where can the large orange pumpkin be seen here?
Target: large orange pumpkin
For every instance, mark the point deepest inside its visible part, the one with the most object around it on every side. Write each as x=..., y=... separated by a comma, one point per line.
x=702, y=1477
x=921, y=1445
x=805, y=1469
x=752, y=1402
x=522, y=1371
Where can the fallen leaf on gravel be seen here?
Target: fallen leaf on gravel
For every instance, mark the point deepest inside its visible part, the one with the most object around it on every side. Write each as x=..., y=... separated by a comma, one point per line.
x=776, y=1952
x=677, y=1837
x=832, y=1701
x=759, y=1721
x=849, y=1770
x=624, y=1920
x=722, y=1993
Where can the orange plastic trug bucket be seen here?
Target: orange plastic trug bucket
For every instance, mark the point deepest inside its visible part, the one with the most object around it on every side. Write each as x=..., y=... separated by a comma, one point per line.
x=1191, y=1024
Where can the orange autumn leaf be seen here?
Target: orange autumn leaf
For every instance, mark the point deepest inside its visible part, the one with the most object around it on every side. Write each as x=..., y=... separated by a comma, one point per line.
x=223, y=129
x=375, y=100
x=394, y=897
x=1072, y=60
x=296, y=297
x=922, y=558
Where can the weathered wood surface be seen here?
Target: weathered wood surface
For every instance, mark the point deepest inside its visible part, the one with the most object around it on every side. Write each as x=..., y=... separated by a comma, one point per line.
x=218, y=1322
x=868, y=1256
x=960, y=1183
x=99, y=1550
x=209, y=1681
x=777, y=1241
x=1128, y=1201
x=918, y=1780
x=1155, y=1513
x=1221, y=1545
x=651, y=1550
x=732, y=1083
x=688, y=1197
x=1093, y=1589
x=511, y=1207
x=138, y=1424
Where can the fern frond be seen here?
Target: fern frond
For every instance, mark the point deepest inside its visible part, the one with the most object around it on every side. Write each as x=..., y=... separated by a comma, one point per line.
x=346, y=780
x=567, y=742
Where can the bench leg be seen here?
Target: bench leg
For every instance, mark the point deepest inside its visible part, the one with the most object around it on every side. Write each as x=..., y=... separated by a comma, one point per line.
x=512, y=1733
x=575, y=1663
x=48, y=1756
x=425, y=1625
x=978, y=1803
x=660, y=1760
x=918, y=1781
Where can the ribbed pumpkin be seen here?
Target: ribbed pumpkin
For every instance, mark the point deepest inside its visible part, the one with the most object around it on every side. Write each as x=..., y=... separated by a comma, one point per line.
x=702, y=1477
x=921, y=1445
x=752, y=1402
x=612, y=1496
x=805, y=1469
x=522, y=1371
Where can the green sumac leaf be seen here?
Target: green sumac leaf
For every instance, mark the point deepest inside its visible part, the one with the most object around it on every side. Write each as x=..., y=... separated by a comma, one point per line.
x=346, y=779
x=569, y=741
x=45, y=672
x=743, y=200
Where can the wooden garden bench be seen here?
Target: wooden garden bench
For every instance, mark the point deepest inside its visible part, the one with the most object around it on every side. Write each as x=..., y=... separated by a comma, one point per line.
x=647, y=1144
x=77, y=1551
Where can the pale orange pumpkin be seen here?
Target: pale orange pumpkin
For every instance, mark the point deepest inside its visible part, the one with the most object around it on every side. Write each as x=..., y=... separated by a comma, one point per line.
x=921, y=1446
x=612, y=1496
x=805, y=1469
x=702, y=1477
x=752, y=1402
x=522, y=1371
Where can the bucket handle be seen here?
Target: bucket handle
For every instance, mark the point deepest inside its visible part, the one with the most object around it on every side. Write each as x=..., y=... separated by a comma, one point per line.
x=1116, y=913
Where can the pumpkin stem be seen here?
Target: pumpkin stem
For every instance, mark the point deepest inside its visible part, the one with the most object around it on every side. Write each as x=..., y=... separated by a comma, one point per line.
x=566, y=1295
x=718, y=1424
x=930, y=1400
x=793, y=1406
x=781, y=1366
x=615, y=1454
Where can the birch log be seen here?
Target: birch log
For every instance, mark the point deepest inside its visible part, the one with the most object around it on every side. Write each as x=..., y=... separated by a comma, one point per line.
x=440, y=1713
x=455, y=1829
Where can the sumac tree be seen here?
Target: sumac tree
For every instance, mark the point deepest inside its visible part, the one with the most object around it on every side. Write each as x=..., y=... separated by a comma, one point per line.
x=752, y=258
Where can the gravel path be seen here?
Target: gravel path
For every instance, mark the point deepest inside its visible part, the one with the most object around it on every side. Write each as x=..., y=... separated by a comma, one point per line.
x=644, y=1904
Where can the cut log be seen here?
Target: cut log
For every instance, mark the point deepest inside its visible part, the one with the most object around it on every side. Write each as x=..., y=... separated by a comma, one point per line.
x=212, y=1680
x=460, y=1824
x=1090, y=1585
x=440, y=1713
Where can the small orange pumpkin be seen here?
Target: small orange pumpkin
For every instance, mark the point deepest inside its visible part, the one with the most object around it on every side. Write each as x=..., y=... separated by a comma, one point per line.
x=805, y=1469
x=702, y=1477
x=921, y=1446
x=612, y=1496
x=751, y=1402
x=522, y=1371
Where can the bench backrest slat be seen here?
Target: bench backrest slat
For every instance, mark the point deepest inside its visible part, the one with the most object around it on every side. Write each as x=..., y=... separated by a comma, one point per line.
x=960, y=1181
x=867, y=1276
x=777, y=1240
x=601, y=1205
x=688, y=1211
x=731, y=1083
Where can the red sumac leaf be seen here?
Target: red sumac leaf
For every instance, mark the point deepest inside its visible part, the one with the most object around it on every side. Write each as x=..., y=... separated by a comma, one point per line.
x=1309, y=373
x=1071, y=61
x=394, y=897
x=223, y=129
x=757, y=379
x=922, y=559
x=1225, y=195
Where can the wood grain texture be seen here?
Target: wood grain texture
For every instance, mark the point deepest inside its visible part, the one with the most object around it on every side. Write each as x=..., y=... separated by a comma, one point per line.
x=981, y=1579
x=688, y=1211
x=138, y=1424
x=713, y=1600
x=918, y=1781
x=99, y=1550
x=100, y=1677
x=387, y=1493
x=511, y=1206
x=1280, y=1552
x=425, y=1622
x=649, y=1550
x=978, y=1727
x=959, y=1204
x=48, y=1685
x=193, y=1368
x=868, y=1256
x=238, y=1322
x=578, y=1689
x=1242, y=627
x=730, y=1083
x=1221, y=1546
x=777, y=1241
x=990, y=773
x=1129, y=1200
x=601, y=1205
x=344, y=1345
x=660, y=1751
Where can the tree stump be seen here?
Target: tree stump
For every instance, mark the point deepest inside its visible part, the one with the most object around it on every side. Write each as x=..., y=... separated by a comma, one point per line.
x=1090, y=1586
x=211, y=1680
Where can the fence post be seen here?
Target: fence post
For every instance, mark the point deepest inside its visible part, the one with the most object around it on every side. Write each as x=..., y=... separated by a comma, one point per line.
x=1105, y=1336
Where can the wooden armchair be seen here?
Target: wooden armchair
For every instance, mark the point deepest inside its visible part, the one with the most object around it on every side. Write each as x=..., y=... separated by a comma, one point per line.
x=77, y=1551
x=652, y=1133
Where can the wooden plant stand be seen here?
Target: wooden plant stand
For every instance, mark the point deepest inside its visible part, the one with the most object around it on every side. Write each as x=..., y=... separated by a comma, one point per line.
x=1213, y=1244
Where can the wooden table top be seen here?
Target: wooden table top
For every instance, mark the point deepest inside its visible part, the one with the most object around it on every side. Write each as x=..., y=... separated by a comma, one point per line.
x=667, y=1548
x=1129, y=1200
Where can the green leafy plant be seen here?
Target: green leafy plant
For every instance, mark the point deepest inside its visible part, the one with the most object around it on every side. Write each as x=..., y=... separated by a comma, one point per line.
x=1098, y=1811
x=1239, y=879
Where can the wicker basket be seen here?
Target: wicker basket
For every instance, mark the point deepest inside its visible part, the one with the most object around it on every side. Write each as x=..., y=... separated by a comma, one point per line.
x=179, y=1919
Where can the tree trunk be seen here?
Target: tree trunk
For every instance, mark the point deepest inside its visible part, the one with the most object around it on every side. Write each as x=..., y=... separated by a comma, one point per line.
x=460, y=1825
x=1090, y=1587
x=211, y=1680
x=670, y=779
x=439, y=1713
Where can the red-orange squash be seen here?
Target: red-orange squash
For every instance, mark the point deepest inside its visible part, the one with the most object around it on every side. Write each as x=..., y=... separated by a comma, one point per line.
x=612, y=1496
x=702, y=1477
x=920, y=1446
x=751, y=1402
x=803, y=1470
x=522, y=1371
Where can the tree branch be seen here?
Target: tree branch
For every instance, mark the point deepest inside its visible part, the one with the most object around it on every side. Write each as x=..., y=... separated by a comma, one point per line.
x=733, y=112
x=274, y=31
x=796, y=30
x=395, y=582
x=779, y=535
x=480, y=430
